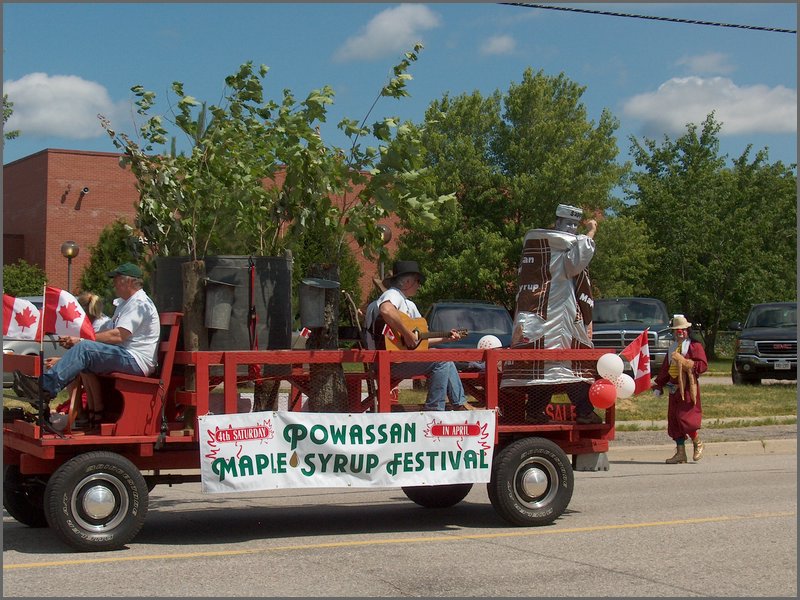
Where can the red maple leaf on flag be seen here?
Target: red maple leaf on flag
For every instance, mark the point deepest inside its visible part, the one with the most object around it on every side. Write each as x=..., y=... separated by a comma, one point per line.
x=69, y=312
x=25, y=318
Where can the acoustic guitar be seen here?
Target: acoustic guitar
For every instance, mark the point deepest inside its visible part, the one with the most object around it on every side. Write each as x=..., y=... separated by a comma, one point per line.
x=394, y=341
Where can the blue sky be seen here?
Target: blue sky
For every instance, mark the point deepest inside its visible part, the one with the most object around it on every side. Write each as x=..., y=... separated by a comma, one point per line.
x=65, y=63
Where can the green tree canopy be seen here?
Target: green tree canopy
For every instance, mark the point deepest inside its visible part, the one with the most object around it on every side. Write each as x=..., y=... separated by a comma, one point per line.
x=23, y=279
x=8, y=110
x=510, y=158
x=259, y=173
x=625, y=258
x=116, y=244
x=728, y=235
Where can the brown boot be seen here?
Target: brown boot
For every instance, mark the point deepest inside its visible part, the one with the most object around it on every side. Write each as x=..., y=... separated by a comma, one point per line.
x=680, y=456
x=698, y=449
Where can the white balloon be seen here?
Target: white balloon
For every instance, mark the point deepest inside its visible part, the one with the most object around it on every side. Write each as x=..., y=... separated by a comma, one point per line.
x=625, y=386
x=610, y=366
x=488, y=342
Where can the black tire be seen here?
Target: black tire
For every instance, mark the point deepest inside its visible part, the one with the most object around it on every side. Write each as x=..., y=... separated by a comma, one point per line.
x=742, y=379
x=96, y=501
x=437, y=496
x=23, y=497
x=532, y=482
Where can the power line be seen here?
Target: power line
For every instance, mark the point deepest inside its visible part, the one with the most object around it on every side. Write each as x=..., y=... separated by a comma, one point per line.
x=670, y=19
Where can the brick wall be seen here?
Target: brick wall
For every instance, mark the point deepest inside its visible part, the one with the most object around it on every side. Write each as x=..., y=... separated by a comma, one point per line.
x=43, y=206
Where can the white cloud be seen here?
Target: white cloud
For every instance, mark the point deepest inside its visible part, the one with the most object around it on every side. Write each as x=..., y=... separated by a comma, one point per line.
x=59, y=105
x=498, y=44
x=393, y=30
x=711, y=63
x=740, y=109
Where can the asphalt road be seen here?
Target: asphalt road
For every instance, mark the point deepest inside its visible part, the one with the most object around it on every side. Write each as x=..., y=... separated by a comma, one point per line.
x=726, y=526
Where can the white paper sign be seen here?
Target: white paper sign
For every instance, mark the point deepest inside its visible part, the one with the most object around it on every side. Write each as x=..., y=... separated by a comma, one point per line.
x=270, y=450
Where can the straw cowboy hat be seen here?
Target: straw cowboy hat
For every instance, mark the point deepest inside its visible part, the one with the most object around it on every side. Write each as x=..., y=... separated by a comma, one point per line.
x=403, y=267
x=680, y=322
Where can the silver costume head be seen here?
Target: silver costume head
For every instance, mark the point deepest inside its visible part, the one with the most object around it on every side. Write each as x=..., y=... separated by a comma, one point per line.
x=568, y=218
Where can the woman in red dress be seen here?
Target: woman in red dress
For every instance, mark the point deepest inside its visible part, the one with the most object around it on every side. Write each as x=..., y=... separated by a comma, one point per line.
x=685, y=361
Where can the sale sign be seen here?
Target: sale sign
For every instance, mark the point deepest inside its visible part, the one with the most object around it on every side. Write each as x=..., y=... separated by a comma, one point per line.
x=272, y=450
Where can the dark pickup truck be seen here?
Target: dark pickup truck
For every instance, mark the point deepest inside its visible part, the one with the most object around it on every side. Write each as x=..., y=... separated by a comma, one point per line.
x=766, y=348
x=616, y=322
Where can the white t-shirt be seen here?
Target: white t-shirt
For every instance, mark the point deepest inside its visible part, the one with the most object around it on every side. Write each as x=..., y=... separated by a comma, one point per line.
x=138, y=315
x=101, y=323
x=400, y=302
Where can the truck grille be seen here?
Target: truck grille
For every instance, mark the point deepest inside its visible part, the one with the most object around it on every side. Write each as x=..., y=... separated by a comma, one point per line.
x=619, y=339
x=777, y=349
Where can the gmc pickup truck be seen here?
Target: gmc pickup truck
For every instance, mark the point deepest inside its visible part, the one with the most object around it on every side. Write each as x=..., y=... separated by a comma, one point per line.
x=767, y=345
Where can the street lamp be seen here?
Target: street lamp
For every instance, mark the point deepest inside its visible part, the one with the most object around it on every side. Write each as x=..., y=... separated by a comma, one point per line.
x=386, y=237
x=69, y=250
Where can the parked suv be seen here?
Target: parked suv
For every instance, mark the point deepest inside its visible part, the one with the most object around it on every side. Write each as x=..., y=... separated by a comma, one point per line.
x=478, y=318
x=616, y=322
x=767, y=345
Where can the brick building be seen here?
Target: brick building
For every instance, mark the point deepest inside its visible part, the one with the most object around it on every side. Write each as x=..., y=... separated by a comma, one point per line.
x=58, y=195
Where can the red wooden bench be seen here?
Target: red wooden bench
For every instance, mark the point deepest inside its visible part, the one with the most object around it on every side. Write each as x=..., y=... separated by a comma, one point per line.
x=134, y=402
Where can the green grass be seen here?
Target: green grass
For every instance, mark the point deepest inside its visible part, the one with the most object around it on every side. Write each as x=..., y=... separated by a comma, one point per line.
x=710, y=424
x=719, y=367
x=754, y=405
x=719, y=401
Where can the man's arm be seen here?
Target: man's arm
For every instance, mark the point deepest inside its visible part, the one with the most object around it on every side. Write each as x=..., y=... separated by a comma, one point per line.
x=591, y=225
x=113, y=336
x=107, y=336
x=394, y=319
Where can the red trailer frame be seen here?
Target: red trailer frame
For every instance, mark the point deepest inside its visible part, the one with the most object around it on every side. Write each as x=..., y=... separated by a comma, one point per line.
x=92, y=487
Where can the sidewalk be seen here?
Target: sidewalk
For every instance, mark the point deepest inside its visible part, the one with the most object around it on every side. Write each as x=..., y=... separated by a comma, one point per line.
x=650, y=445
x=659, y=453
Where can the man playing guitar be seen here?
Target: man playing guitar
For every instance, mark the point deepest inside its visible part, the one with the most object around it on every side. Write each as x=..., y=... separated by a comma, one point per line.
x=392, y=307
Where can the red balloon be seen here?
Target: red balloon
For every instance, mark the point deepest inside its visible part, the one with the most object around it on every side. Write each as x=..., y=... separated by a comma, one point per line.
x=603, y=393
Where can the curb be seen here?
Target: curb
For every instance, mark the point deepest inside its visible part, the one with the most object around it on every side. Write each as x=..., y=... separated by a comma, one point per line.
x=661, y=452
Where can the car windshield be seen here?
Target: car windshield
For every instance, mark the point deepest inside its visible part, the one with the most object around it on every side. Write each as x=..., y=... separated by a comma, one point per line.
x=37, y=301
x=649, y=312
x=476, y=319
x=772, y=316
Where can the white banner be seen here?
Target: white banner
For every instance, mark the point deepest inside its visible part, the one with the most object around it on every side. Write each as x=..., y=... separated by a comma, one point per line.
x=270, y=450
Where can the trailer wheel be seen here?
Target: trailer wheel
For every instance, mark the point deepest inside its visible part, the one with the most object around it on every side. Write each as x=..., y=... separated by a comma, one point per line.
x=96, y=501
x=23, y=497
x=437, y=496
x=532, y=482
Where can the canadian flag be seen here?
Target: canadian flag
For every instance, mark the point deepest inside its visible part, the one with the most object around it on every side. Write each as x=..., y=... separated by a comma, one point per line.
x=638, y=354
x=305, y=332
x=387, y=331
x=21, y=319
x=63, y=315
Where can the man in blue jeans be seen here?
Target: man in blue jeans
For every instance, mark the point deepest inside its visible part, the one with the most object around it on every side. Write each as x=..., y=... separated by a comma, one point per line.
x=443, y=379
x=128, y=345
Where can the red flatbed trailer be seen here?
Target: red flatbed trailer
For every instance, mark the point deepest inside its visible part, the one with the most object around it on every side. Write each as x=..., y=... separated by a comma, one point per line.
x=92, y=486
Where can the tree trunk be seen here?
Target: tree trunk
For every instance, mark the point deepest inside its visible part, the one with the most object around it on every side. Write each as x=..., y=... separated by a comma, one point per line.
x=265, y=394
x=195, y=334
x=328, y=387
